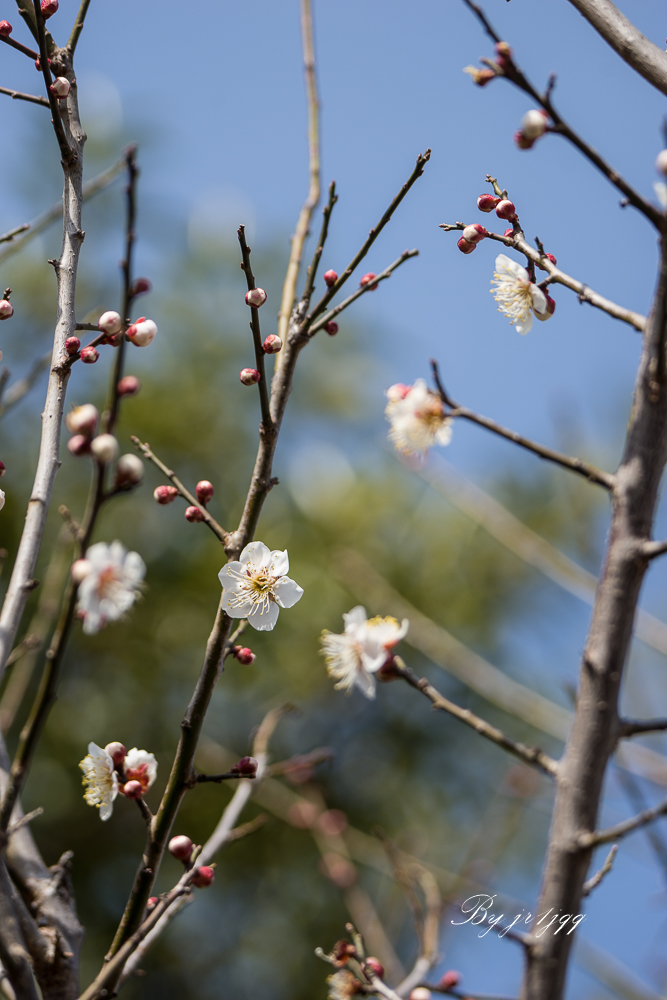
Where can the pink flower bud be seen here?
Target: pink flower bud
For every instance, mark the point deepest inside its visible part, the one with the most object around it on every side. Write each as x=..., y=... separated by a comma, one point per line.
x=80, y=570
x=256, y=297
x=60, y=87
x=451, y=978
x=139, y=287
x=133, y=789
x=117, y=752
x=374, y=967
x=129, y=385
x=272, y=344
x=193, y=514
x=181, y=848
x=152, y=902
x=487, y=202
x=49, y=7
x=89, y=355
x=474, y=233
x=366, y=280
x=204, y=491
x=503, y=55
x=534, y=124
x=397, y=392
x=110, y=322
x=38, y=65
x=247, y=765
x=165, y=494
x=104, y=448
x=5, y=29
x=420, y=993
x=661, y=162
x=508, y=232
x=203, y=876
x=331, y=327
x=79, y=445
x=466, y=247
x=82, y=419
x=6, y=309
x=129, y=470
x=142, y=332
x=249, y=376
x=522, y=140
x=330, y=278
x=3, y=468
x=243, y=655
x=480, y=77
x=551, y=257
x=72, y=345
x=506, y=210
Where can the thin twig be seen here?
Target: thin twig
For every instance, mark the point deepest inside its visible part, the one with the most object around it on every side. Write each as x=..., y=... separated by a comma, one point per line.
x=218, y=778
x=20, y=823
x=8, y=237
x=317, y=256
x=588, y=840
x=651, y=550
x=635, y=727
x=78, y=25
x=17, y=95
x=595, y=880
x=22, y=386
x=68, y=154
x=20, y=47
x=256, y=333
x=589, y=472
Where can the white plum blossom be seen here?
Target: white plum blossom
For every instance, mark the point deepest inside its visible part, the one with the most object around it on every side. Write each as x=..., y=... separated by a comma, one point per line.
x=111, y=585
x=257, y=586
x=517, y=296
x=141, y=766
x=2, y=499
x=418, y=418
x=100, y=779
x=362, y=649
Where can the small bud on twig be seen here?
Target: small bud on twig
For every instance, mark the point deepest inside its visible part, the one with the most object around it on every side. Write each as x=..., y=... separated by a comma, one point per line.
x=72, y=345
x=129, y=385
x=487, y=202
x=204, y=877
x=110, y=322
x=82, y=419
x=151, y=903
x=474, y=233
x=249, y=376
x=243, y=654
x=89, y=355
x=79, y=571
x=331, y=327
x=466, y=247
x=165, y=494
x=661, y=162
x=247, y=765
x=534, y=124
x=48, y=7
x=142, y=332
x=451, y=978
x=3, y=468
x=60, y=87
x=5, y=29
x=272, y=344
x=366, y=280
x=139, y=287
x=373, y=966
x=204, y=491
x=133, y=789
x=420, y=993
x=256, y=297
x=129, y=470
x=116, y=751
x=104, y=448
x=181, y=847
x=506, y=210
x=330, y=278
x=6, y=309
x=79, y=445
x=193, y=514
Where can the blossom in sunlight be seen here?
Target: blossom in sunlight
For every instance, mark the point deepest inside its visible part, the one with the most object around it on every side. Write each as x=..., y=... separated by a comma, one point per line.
x=354, y=656
x=418, y=418
x=517, y=296
x=111, y=585
x=257, y=586
x=141, y=766
x=100, y=779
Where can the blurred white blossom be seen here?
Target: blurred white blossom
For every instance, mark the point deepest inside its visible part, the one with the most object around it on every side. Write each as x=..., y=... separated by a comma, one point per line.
x=517, y=296
x=256, y=586
x=111, y=585
x=141, y=766
x=362, y=649
x=418, y=418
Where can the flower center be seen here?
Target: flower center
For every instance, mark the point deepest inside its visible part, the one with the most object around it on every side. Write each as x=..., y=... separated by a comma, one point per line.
x=255, y=585
x=106, y=581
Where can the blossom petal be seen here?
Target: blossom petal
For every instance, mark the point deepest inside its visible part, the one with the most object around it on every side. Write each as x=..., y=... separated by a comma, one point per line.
x=261, y=619
x=524, y=324
x=257, y=553
x=357, y=616
x=506, y=266
x=366, y=683
x=539, y=299
x=279, y=563
x=238, y=611
x=287, y=592
x=228, y=572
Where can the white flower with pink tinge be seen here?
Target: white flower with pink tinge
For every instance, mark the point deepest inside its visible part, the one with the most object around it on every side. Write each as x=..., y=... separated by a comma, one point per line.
x=418, y=418
x=517, y=296
x=100, y=779
x=354, y=656
x=257, y=586
x=141, y=766
x=110, y=584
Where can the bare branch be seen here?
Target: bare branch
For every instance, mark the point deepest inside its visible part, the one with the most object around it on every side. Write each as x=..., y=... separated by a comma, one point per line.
x=588, y=840
x=17, y=95
x=593, y=882
x=20, y=47
x=324, y=231
x=635, y=727
x=68, y=153
x=651, y=550
x=78, y=25
x=22, y=387
x=13, y=953
x=8, y=237
x=256, y=333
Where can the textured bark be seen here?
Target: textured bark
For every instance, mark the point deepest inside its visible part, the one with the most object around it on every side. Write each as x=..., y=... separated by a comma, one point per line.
x=596, y=725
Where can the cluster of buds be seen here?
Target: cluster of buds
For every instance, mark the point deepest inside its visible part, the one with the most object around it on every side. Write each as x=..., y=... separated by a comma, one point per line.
x=243, y=654
x=247, y=766
x=182, y=848
x=474, y=234
x=533, y=126
x=204, y=491
x=81, y=423
x=471, y=236
x=496, y=67
x=255, y=298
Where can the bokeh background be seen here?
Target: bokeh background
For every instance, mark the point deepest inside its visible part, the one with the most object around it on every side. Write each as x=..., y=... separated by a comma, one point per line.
x=214, y=97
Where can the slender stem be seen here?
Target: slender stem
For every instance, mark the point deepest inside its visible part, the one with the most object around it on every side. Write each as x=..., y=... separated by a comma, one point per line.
x=67, y=153
x=27, y=12
x=529, y=755
x=256, y=333
x=8, y=237
x=22, y=386
x=19, y=45
x=324, y=232
x=587, y=840
x=78, y=25
x=635, y=727
x=184, y=492
x=595, y=880
x=16, y=95
x=218, y=778
x=13, y=954
x=653, y=549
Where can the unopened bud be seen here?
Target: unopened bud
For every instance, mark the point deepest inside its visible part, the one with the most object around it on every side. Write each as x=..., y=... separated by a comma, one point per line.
x=142, y=332
x=129, y=470
x=193, y=514
x=133, y=789
x=551, y=257
x=38, y=65
x=256, y=297
x=152, y=902
x=523, y=141
x=330, y=278
x=249, y=376
x=49, y=7
x=272, y=344
x=420, y=993
x=395, y=393
x=506, y=210
x=474, y=233
x=6, y=309
x=465, y=247
x=165, y=494
x=366, y=280
x=5, y=29
x=243, y=654
x=487, y=202
x=661, y=162
x=342, y=950
x=181, y=848
x=508, y=232
x=60, y=87
x=110, y=322
x=3, y=468
x=534, y=124
x=503, y=55
x=550, y=310
x=331, y=327
x=247, y=766
x=204, y=491
x=129, y=385
x=80, y=570
x=72, y=345
x=480, y=77
x=374, y=967
x=82, y=419
x=104, y=448
x=203, y=877
x=89, y=355
x=451, y=978
x=116, y=751
x=139, y=287
x=79, y=445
